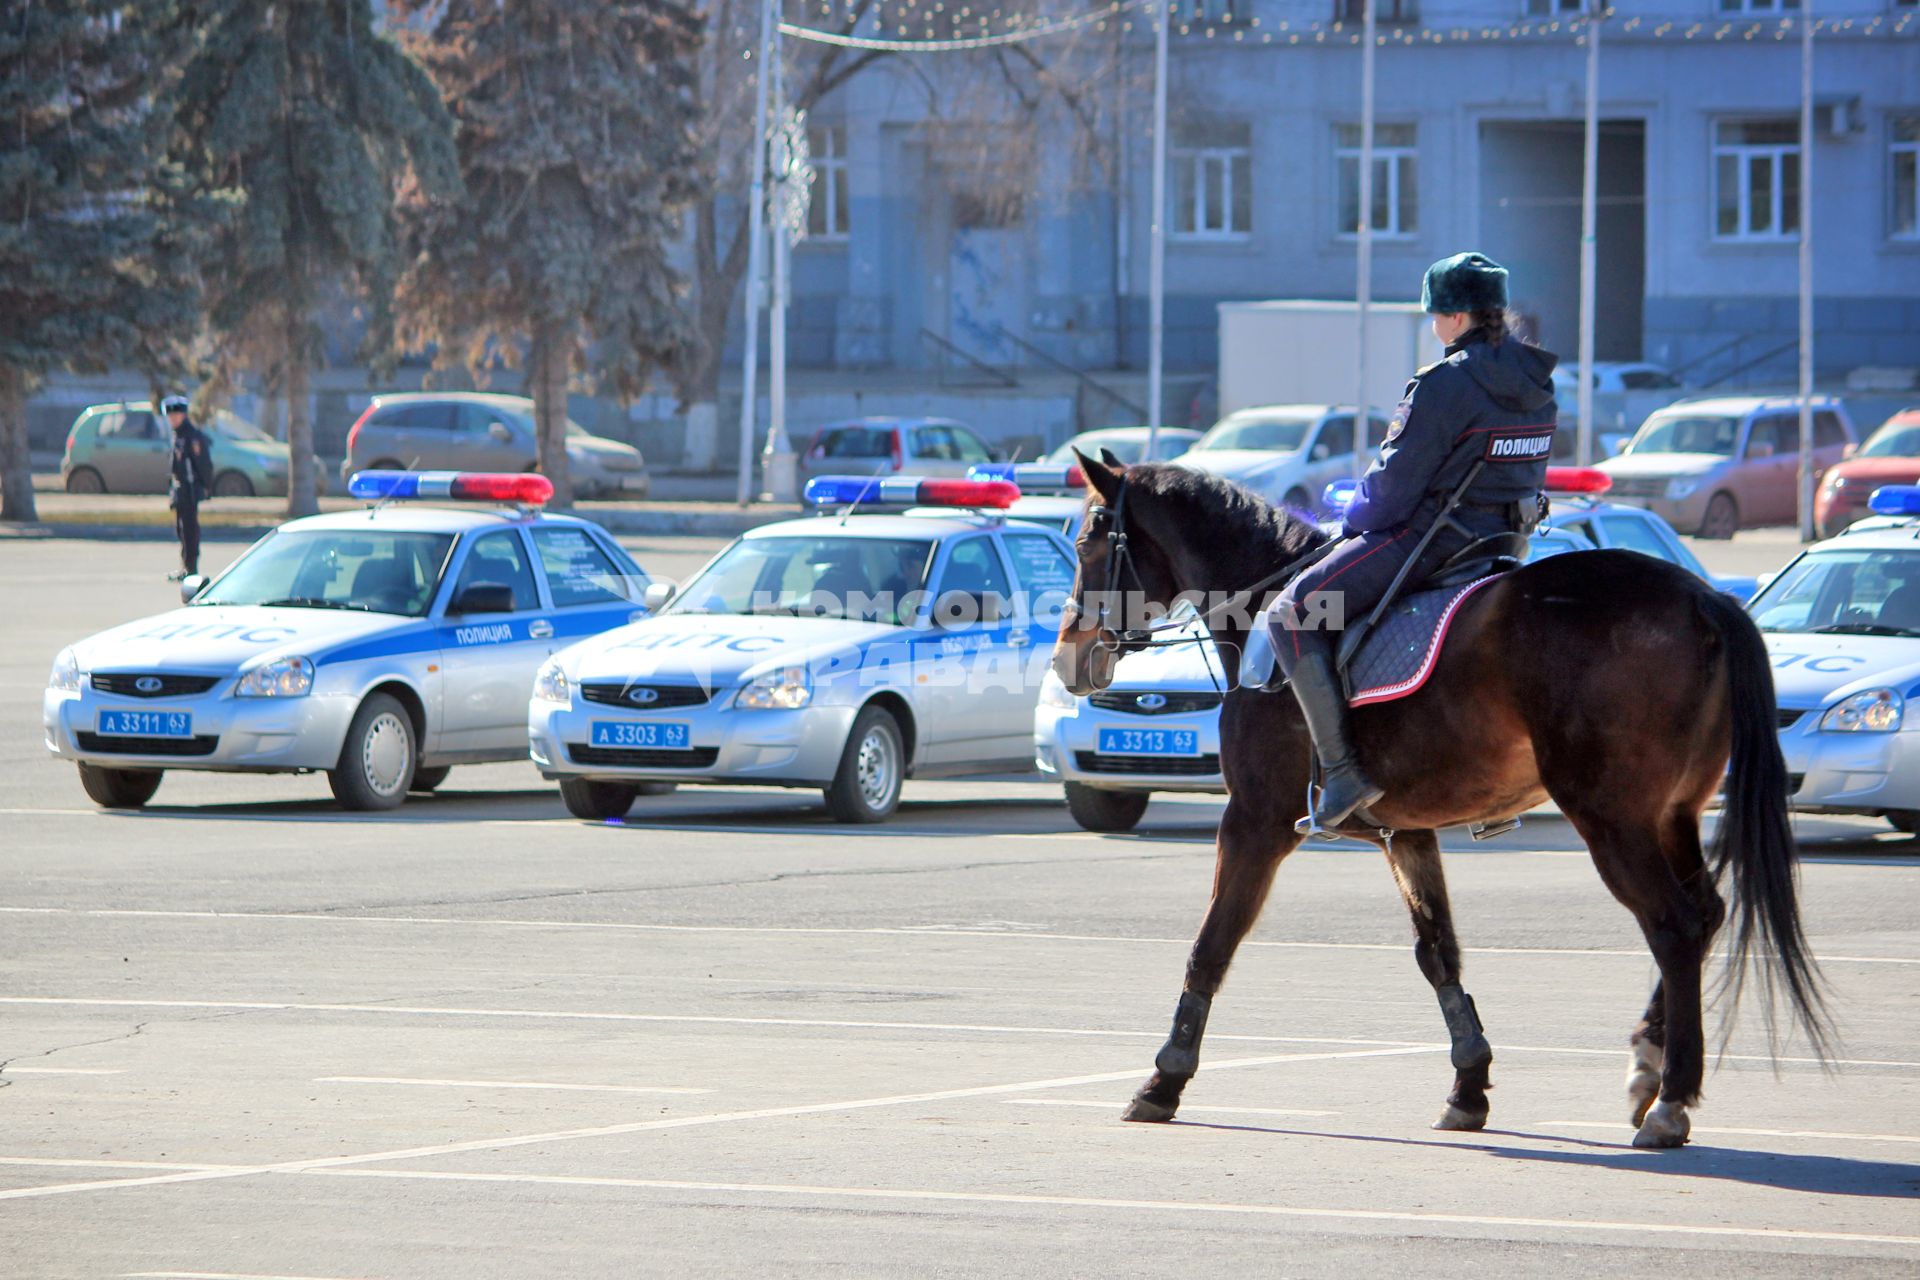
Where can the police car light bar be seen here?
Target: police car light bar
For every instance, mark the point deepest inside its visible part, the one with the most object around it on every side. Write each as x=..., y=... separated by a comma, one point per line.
x=1032, y=477
x=1578, y=480
x=908, y=491
x=1896, y=500
x=1338, y=496
x=524, y=487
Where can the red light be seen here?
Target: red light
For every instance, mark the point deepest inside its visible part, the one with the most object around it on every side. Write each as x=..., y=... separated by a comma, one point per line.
x=1578, y=480
x=525, y=487
x=353, y=432
x=899, y=451
x=969, y=493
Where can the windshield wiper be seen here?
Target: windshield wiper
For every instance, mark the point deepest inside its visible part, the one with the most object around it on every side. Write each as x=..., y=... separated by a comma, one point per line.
x=315, y=602
x=1863, y=629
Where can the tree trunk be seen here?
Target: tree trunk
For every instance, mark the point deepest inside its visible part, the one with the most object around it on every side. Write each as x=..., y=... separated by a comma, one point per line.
x=16, y=461
x=547, y=375
x=302, y=496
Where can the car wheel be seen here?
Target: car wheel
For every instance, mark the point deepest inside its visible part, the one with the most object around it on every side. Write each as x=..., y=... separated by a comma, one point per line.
x=430, y=779
x=597, y=801
x=1907, y=820
x=1098, y=809
x=377, y=759
x=1299, y=501
x=385, y=464
x=119, y=788
x=866, y=788
x=85, y=480
x=1722, y=519
x=231, y=484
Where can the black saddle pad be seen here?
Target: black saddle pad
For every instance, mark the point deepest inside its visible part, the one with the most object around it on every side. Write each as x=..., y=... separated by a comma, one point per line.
x=1399, y=655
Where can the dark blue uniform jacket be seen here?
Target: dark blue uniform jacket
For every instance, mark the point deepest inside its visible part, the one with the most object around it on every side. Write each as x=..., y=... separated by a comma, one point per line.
x=1484, y=401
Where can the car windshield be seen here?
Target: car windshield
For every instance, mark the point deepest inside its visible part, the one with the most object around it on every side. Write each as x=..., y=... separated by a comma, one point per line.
x=1687, y=433
x=235, y=427
x=814, y=576
x=368, y=571
x=1894, y=440
x=1844, y=592
x=1279, y=434
x=1128, y=445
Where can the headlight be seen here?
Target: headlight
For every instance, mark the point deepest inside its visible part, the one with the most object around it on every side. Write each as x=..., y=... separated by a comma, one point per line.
x=1682, y=487
x=281, y=678
x=1875, y=711
x=786, y=689
x=550, y=684
x=1054, y=692
x=66, y=673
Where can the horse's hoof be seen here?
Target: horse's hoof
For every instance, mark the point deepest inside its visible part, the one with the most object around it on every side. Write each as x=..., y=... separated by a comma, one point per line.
x=1456, y=1120
x=1666, y=1125
x=1146, y=1111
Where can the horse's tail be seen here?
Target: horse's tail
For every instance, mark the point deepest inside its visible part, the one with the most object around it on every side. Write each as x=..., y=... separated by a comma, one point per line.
x=1755, y=839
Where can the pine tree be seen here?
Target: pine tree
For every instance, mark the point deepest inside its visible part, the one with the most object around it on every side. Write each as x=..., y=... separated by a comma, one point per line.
x=320, y=123
x=94, y=264
x=575, y=127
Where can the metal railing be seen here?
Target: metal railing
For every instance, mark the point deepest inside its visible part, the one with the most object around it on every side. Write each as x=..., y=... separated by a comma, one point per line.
x=949, y=351
x=1086, y=380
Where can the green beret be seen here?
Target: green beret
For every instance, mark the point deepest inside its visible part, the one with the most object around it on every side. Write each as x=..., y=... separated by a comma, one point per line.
x=1464, y=282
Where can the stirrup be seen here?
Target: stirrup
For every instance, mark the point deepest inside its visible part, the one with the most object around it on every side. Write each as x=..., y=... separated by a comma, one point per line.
x=1488, y=830
x=1310, y=827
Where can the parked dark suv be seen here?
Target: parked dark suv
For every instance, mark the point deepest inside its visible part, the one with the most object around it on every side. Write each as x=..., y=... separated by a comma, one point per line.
x=480, y=431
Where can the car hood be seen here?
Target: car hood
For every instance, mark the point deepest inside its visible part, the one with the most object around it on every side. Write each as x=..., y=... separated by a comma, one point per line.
x=600, y=446
x=1662, y=464
x=211, y=639
x=1815, y=670
x=719, y=649
x=1882, y=470
x=1184, y=659
x=1237, y=464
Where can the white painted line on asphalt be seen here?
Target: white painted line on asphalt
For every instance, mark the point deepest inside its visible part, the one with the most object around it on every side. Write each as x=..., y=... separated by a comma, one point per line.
x=215, y=1275
x=860, y=1024
x=1185, y=1107
x=1164, y=1206
x=44, y=1163
x=671, y=1122
x=63, y=1071
x=907, y=931
x=505, y=1084
x=1707, y=1131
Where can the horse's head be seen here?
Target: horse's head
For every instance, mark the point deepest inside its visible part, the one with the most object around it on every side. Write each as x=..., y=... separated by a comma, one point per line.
x=1123, y=580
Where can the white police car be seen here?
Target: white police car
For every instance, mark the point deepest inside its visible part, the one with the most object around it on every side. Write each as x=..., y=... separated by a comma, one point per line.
x=1842, y=624
x=844, y=651
x=381, y=646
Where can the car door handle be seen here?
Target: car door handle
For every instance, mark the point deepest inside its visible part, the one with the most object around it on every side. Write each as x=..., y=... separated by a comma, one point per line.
x=1018, y=639
x=540, y=629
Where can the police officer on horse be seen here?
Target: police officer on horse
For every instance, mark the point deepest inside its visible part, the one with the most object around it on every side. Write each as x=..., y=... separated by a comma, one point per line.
x=1489, y=401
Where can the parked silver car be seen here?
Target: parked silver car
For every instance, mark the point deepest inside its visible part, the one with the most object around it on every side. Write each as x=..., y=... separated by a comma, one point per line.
x=888, y=445
x=481, y=431
x=1711, y=467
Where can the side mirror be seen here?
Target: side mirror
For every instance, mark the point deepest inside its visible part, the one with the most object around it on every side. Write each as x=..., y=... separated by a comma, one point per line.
x=483, y=597
x=499, y=431
x=1321, y=452
x=657, y=596
x=192, y=585
x=1759, y=449
x=1851, y=449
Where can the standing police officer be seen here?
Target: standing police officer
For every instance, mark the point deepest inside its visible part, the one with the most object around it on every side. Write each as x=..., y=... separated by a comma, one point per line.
x=1490, y=400
x=192, y=477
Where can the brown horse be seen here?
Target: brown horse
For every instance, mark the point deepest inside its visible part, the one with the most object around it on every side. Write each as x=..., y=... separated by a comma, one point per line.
x=1615, y=684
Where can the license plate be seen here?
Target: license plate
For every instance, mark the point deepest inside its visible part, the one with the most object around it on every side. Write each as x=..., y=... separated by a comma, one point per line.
x=660, y=735
x=1149, y=742
x=146, y=724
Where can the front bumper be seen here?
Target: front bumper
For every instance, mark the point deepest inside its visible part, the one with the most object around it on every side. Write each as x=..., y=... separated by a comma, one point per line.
x=1684, y=514
x=768, y=748
x=1065, y=745
x=1869, y=773
x=258, y=735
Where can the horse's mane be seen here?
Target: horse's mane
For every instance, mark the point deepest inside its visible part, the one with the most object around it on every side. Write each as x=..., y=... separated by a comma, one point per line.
x=1224, y=521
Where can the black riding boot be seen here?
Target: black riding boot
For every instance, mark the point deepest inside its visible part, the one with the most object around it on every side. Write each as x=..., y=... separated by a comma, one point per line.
x=1344, y=788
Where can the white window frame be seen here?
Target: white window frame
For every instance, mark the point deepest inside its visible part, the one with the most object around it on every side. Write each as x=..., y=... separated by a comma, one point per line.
x=828, y=165
x=1895, y=149
x=1744, y=154
x=1396, y=158
x=1200, y=159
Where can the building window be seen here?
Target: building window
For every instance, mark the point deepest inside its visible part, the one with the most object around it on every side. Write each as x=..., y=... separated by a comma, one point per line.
x=1396, y=189
x=1904, y=149
x=827, y=209
x=1758, y=6
x=1388, y=13
x=1756, y=179
x=1212, y=182
x=1553, y=8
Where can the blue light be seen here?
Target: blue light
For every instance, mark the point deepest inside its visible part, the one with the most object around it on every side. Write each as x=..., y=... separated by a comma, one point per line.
x=384, y=486
x=1339, y=495
x=1032, y=477
x=1896, y=500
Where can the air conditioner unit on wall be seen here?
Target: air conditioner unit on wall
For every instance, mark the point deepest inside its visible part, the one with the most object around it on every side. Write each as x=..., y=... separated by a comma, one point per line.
x=1838, y=117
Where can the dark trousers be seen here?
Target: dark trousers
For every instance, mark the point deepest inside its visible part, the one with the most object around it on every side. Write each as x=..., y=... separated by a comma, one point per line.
x=186, y=527
x=1340, y=590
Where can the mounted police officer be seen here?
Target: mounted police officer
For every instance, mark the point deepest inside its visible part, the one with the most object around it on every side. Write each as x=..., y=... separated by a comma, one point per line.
x=1490, y=400
x=192, y=477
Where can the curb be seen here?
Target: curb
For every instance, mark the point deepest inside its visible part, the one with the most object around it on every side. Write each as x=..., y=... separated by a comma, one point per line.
x=640, y=523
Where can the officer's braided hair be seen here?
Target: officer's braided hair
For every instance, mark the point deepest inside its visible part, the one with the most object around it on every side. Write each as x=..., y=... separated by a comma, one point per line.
x=1497, y=324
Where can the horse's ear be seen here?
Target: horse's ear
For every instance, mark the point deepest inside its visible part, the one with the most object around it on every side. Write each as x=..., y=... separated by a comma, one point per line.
x=1111, y=458
x=1101, y=474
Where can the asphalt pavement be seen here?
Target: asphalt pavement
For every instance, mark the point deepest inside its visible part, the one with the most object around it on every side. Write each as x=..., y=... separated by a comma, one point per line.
x=244, y=1034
